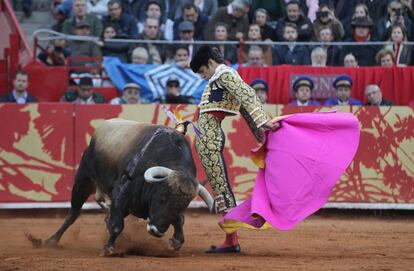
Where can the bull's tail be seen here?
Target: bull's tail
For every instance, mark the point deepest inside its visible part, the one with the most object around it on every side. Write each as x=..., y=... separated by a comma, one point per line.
x=82, y=188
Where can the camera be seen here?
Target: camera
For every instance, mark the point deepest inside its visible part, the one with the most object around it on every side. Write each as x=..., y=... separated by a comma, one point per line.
x=398, y=12
x=322, y=14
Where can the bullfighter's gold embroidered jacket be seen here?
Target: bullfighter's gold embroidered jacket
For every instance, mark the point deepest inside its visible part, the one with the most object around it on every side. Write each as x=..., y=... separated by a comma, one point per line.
x=227, y=92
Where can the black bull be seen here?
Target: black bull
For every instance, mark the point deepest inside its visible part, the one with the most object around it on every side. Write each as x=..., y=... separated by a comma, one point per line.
x=141, y=169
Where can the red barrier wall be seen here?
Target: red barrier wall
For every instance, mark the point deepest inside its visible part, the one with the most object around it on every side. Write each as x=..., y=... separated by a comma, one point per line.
x=41, y=145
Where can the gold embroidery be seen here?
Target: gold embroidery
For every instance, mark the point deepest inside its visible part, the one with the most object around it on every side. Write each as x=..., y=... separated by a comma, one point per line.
x=209, y=147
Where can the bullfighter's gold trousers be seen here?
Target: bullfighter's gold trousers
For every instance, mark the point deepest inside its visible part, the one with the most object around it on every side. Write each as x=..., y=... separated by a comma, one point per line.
x=210, y=147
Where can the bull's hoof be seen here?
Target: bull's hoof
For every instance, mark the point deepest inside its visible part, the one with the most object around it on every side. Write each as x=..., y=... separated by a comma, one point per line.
x=36, y=242
x=111, y=252
x=175, y=244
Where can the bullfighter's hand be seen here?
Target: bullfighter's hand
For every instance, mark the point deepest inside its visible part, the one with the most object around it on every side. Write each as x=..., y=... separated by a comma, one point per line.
x=271, y=126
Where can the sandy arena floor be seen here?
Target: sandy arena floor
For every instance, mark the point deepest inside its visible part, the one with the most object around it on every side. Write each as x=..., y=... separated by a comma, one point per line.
x=327, y=241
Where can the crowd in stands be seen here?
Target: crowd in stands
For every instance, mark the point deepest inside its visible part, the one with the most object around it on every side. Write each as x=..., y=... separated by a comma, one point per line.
x=325, y=21
x=302, y=86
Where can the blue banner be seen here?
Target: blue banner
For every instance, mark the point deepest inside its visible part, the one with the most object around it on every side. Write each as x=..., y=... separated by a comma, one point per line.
x=152, y=78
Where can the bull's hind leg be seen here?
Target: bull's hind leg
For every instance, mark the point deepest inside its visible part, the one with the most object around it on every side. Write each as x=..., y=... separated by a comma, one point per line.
x=80, y=193
x=82, y=188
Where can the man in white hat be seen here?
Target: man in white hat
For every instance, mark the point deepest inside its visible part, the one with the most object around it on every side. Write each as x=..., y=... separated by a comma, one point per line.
x=131, y=95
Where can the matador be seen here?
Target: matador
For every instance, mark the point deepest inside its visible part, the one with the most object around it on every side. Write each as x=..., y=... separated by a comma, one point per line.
x=226, y=94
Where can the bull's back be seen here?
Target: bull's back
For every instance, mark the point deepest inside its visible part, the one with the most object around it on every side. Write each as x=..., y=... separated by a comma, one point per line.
x=116, y=138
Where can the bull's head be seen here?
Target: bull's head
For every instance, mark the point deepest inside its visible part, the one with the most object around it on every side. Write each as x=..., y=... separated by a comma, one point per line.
x=176, y=190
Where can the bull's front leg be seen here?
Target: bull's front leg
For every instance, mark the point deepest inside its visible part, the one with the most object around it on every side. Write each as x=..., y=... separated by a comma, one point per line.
x=178, y=238
x=115, y=221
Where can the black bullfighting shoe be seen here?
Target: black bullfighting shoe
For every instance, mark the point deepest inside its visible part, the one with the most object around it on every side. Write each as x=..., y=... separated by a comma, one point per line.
x=231, y=249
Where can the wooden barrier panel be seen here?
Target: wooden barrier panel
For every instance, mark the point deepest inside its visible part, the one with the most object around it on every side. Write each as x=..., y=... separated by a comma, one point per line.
x=41, y=146
x=36, y=152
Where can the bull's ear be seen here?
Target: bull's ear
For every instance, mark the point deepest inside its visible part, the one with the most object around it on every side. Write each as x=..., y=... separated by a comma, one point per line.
x=157, y=174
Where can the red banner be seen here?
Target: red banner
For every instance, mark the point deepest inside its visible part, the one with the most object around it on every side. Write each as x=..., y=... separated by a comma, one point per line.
x=396, y=83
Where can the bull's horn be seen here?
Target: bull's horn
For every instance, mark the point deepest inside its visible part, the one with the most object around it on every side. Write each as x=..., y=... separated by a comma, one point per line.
x=205, y=195
x=157, y=174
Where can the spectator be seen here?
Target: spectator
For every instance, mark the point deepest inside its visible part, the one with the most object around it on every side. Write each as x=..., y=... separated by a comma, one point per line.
x=350, y=61
x=253, y=35
x=365, y=55
x=140, y=55
x=261, y=17
x=374, y=96
x=207, y=7
x=402, y=52
x=84, y=94
x=154, y=10
x=360, y=10
x=291, y=54
x=114, y=49
x=157, y=52
x=97, y=7
x=385, y=58
x=275, y=8
x=136, y=8
x=319, y=57
x=293, y=15
x=173, y=93
x=80, y=49
x=79, y=15
x=325, y=17
x=235, y=16
x=171, y=10
x=377, y=8
x=255, y=57
x=408, y=9
x=192, y=14
x=303, y=87
x=343, y=86
x=55, y=53
x=229, y=51
x=343, y=8
x=395, y=16
x=20, y=94
x=262, y=88
x=130, y=95
x=186, y=32
x=333, y=51
x=126, y=23
x=94, y=7
x=182, y=57
x=308, y=8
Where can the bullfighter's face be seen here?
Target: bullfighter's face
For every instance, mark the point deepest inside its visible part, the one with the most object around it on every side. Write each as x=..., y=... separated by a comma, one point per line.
x=207, y=71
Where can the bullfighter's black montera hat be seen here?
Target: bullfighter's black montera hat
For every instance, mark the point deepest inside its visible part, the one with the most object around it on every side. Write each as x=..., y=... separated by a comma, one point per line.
x=200, y=58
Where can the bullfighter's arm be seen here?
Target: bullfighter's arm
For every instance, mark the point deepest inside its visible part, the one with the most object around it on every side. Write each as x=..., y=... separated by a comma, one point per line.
x=246, y=96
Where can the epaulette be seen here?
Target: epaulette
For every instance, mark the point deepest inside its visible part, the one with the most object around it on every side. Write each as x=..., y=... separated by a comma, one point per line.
x=71, y=95
x=98, y=98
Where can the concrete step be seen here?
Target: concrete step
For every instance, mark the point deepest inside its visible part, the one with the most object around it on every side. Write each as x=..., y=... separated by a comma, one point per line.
x=42, y=5
x=39, y=19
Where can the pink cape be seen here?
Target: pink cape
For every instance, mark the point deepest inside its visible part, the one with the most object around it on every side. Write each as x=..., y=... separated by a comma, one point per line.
x=303, y=161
